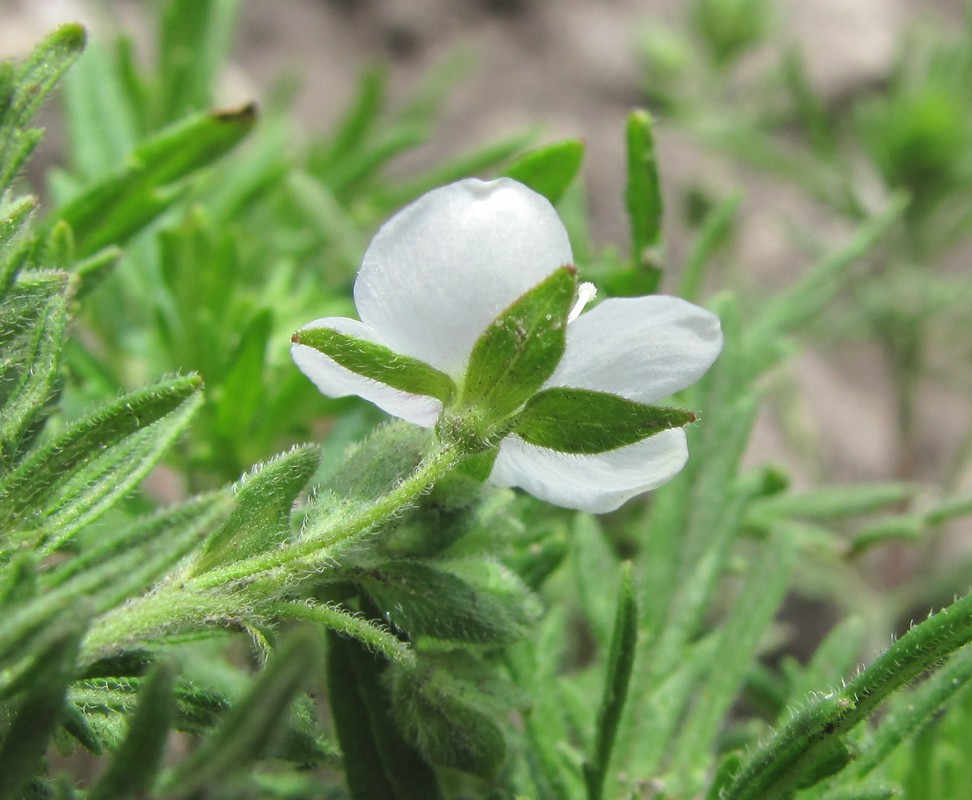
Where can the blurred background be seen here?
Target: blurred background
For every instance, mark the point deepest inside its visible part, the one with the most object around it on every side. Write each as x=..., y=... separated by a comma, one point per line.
x=805, y=117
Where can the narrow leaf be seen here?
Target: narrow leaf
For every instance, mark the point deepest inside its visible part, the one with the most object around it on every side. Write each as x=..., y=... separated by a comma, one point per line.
x=424, y=601
x=133, y=769
x=261, y=516
x=32, y=322
x=643, y=195
x=380, y=363
x=245, y=731
x=521, y=348
x=31, y=729
x=379, y=764
x=581, y=421
x=33, y=81
x=40, y=476
x=548, y=170
x=620, y=664
x=123, y=203
x=13, y=221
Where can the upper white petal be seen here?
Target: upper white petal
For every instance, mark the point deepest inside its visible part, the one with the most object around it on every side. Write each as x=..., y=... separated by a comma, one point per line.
x=336, y=381
x=596, y=483
x=443, y=268
x=642, y=348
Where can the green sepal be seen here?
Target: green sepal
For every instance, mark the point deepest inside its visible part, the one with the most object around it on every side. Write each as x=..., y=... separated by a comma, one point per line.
x=521, y=348
x=261, y=516
x=549, y=170
x=379, y=363
x=643, y=197
x=582, y=421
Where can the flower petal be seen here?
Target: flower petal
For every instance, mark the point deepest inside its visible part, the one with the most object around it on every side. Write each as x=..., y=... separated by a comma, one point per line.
x=443, y=268
x=596, y=483
x=336, y=381
x=642, y=348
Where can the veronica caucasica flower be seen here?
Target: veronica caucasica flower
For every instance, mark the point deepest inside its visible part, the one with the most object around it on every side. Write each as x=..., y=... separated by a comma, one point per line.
x=469, y=321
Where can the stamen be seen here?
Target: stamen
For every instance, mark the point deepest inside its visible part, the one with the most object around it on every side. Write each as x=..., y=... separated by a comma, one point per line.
x=585, y=293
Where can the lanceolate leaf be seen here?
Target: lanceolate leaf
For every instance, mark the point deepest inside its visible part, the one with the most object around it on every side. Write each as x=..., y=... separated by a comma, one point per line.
x=379, y=763
x=643, y=195
x=30, y=730
x=32, y=322
x=261, y=517
x=121, y=204
x=30, y=85
x=248, y=726
x=380, y=363
x=107, y=575
x=133, y=769
x=521, y=349
x=13, y=218
x=548, y=170
x=582, y=421
x=41, y=476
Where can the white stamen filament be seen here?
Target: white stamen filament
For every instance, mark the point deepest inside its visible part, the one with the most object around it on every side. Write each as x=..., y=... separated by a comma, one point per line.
x=585, y=293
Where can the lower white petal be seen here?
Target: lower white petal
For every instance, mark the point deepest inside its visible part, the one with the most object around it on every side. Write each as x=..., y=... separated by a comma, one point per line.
x=336, y=381
x=596, y=483
x=642, y=348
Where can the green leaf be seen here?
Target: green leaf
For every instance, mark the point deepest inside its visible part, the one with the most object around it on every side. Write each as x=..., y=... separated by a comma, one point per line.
x=29, y=732
x=379, y=363
x=13, y=245
x=582, y=421
x=121, y=204
x=133, y=769
x=245, y=731
x=32, y=322
x=261, y=516
x=31, y=84
x=643, y=196
x=491, y=607
x=115, y=569
x=437, y=709
x=378, y=763
x=521, y=348
x=82, y=472
x=548, y=170
x=620, y=664
x=36, y=478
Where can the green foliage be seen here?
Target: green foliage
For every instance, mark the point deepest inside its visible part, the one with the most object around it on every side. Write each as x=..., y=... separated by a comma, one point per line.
x=478, y=643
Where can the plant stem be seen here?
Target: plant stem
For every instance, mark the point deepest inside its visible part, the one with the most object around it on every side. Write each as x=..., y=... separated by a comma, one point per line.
x=813, y=735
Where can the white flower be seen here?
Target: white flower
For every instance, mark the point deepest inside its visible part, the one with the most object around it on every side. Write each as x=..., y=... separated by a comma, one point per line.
x=443, y=268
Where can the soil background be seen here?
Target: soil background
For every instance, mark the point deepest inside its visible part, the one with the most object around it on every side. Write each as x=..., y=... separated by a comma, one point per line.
x=572, y=66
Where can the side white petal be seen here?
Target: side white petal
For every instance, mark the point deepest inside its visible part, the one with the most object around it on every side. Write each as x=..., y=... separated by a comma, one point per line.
x=642, y=348
x=336, y=381
x=596, y=483
x=440, y=270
